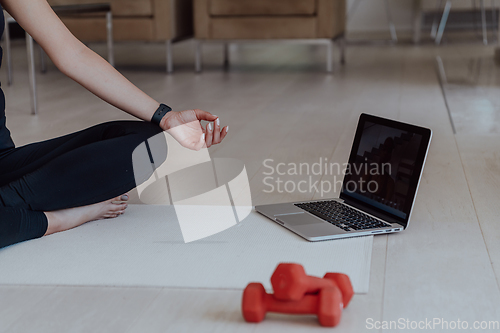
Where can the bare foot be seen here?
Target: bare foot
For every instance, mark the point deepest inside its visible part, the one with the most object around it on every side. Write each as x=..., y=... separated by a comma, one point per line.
x=64, y=219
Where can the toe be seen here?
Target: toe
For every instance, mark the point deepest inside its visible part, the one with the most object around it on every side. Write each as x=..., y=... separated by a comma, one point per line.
x=117, y=208
x=120, y=199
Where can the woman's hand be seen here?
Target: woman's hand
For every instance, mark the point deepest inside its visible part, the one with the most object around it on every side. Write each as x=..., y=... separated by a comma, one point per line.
x=186, y=128
x=87, y=68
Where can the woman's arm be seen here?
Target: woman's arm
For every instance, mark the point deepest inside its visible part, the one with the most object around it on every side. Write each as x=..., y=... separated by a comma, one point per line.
x=90, y=70
x=77, y=61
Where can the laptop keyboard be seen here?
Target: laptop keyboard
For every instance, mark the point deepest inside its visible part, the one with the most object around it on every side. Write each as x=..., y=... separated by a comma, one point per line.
x=342, y=215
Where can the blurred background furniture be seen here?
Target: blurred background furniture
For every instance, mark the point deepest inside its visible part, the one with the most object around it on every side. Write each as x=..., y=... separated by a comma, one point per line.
x=135, y=20
x=468, y=14
x=236, y=21
x=31, y=61
x=61, y=11
x=437, y=32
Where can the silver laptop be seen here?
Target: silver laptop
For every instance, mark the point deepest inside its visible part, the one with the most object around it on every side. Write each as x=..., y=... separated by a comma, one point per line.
x=379, y=187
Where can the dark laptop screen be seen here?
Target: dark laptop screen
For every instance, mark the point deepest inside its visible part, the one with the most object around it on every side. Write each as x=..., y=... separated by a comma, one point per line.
x=385, y=165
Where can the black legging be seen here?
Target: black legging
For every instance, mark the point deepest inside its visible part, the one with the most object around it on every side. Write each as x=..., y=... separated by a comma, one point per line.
x=78, y=169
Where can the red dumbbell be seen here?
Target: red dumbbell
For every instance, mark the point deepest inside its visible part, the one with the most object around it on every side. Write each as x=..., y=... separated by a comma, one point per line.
x=290, y=282
x=344, y=284
x=327, y=305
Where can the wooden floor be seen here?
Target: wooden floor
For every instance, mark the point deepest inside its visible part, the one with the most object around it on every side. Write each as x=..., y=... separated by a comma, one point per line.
x=281, y=105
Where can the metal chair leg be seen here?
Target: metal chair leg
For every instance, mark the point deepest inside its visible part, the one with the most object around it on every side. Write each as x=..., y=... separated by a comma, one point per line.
x=483, y=22
x=109, y=30
x=9, y=52
x=31, y=74
x=170, y=66
x=197, y=56
x=442, y=24
x=392, y=27
x=435, y=20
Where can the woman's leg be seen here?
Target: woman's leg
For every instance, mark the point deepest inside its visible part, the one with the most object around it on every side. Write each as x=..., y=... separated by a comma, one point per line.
x=20, y=224
x=64, y=219
x=91, y=173
x=26, y=159
x=89, y=170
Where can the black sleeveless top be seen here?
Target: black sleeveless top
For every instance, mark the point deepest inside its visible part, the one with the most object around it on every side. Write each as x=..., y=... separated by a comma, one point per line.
x=6, y=142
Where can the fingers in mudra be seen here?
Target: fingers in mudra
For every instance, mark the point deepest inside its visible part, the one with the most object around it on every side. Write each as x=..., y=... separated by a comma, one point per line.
x=209, y=136
x=215, y=135
x=186, y=128
x=216, y=138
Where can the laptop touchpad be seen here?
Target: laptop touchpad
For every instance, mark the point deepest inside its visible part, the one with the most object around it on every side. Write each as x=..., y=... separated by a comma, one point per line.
x=298, y=219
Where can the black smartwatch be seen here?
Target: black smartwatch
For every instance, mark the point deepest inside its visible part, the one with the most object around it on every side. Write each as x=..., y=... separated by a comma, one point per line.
x=159, y=113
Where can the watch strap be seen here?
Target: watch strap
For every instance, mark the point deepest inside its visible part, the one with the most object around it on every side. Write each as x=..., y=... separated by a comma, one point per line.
x=159, y=113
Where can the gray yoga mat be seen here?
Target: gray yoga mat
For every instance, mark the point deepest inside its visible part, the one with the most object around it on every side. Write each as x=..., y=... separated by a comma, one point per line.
x=145, y=247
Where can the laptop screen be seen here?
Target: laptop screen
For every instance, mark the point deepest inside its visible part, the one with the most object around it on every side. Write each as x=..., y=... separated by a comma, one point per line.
x=385, y=166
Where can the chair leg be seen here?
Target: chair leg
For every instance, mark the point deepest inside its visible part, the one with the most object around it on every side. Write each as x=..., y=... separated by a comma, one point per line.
x=197, y=56
x=170, y=67
x=109, y=31
x=9, y=53
x=483, y=22
x=442, y=24
x=31, y=74
x=435, y=20
x=329, y=56
x=226, y=55
x=392, y=27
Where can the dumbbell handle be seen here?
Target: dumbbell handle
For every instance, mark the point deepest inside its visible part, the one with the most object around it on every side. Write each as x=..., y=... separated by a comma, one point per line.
x=307, y=305
x=315, y=284
x=304, y=284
